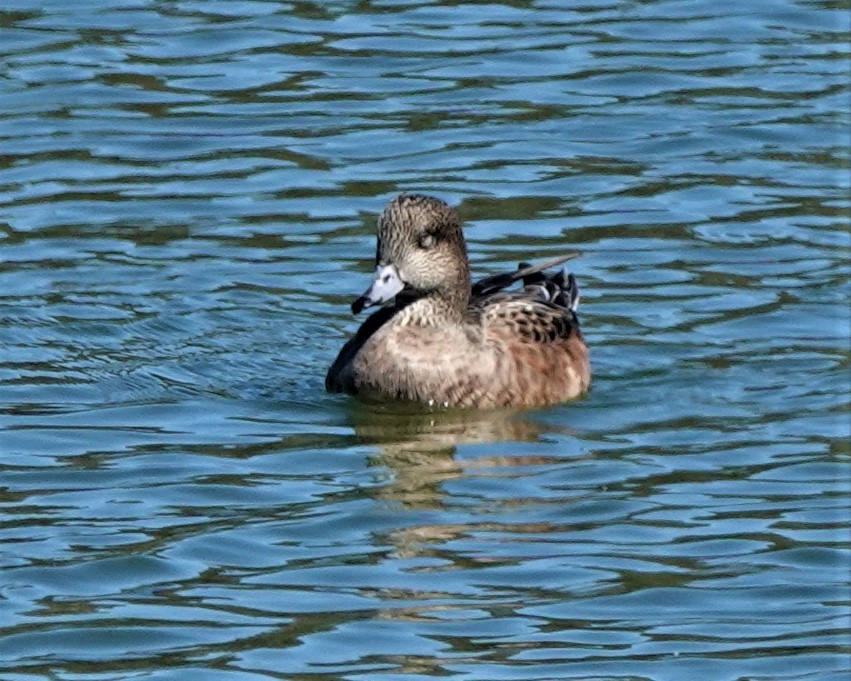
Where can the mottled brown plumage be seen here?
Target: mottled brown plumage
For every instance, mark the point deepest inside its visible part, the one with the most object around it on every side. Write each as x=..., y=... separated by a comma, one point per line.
x=443, y=342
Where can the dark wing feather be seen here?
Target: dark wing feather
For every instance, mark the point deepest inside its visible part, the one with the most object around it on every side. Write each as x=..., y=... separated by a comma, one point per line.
x=529, y=274
x=559, y=290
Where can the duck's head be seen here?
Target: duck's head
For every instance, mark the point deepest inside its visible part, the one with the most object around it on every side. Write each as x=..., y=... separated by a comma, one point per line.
x=420, y=251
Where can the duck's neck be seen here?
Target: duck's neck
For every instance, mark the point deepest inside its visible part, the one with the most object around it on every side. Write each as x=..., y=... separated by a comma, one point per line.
x=448, y=305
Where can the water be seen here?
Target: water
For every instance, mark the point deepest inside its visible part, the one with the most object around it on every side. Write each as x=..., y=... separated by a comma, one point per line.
x=187, y=203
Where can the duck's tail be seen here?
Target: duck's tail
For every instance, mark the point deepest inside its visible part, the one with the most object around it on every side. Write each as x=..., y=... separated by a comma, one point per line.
x=558, y=289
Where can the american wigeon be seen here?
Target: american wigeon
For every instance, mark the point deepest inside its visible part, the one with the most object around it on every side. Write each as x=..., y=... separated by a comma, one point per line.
x=447, y=343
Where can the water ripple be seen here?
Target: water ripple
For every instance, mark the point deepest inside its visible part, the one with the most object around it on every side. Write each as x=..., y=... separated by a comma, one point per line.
x=187, y=203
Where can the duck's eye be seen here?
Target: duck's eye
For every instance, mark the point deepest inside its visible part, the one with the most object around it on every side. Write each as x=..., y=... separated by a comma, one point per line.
x=427, y=241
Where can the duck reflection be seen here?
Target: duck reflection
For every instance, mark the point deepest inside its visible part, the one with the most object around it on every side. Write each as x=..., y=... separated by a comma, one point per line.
x=419, y=449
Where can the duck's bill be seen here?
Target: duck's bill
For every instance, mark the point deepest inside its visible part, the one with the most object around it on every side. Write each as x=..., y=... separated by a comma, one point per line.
x=385, y=287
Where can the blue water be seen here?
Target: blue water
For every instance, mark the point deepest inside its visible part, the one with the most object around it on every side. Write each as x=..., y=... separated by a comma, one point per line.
x=188, y=193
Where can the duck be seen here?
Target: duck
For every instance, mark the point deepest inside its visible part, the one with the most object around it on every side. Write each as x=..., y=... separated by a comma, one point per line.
x=441, y=340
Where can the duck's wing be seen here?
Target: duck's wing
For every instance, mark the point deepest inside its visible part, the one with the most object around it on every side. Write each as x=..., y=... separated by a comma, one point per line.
x=543, y=310
x=529, y=316
x=536, y=332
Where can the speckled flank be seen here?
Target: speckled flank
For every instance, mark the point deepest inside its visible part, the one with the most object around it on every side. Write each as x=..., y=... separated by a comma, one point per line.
x=445, y=344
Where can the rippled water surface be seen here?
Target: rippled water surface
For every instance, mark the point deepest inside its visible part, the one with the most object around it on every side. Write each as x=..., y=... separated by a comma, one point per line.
x=188, y=193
